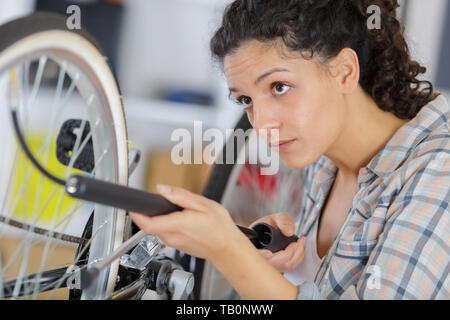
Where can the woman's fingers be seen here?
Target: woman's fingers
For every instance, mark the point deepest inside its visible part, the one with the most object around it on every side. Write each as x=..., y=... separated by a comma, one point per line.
x=289, y=258
x=191, y=203
x=285, y=223
x=267, y=219
x=186, y=199
x=282, y=221
x=293, y=254
x=160, y=224
x=282, y=256
x=299, y=254
x=266, y=253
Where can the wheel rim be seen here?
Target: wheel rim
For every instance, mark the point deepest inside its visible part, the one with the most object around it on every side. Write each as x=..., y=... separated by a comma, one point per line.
x=97, y=88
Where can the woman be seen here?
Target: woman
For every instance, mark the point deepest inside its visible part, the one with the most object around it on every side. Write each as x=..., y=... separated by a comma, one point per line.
x=373, y=140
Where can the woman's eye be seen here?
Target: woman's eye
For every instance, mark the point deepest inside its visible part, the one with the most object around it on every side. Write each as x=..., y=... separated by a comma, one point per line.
x=280, y=88
x=245, y=101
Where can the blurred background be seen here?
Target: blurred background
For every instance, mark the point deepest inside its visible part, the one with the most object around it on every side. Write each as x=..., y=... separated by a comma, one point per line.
x=159, y=51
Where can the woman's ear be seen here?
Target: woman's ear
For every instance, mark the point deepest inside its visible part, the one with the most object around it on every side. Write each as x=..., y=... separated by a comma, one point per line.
x=348, y=72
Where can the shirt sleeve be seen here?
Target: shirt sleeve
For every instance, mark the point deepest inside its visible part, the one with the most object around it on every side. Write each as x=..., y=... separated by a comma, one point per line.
x=411, y=259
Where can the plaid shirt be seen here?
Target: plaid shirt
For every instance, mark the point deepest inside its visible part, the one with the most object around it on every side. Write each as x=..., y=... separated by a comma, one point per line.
x=394, y=243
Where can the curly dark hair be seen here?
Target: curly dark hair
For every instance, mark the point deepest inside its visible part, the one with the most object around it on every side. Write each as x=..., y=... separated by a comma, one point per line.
x=325, y=27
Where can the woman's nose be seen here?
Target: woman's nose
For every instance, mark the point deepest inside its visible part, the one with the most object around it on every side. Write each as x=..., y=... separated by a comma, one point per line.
x=264, y=119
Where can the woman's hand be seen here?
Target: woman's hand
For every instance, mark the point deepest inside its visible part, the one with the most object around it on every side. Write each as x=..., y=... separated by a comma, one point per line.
x=291, y=257
x=203, y=229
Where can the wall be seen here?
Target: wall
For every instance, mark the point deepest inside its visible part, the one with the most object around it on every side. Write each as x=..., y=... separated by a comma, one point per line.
x=424, y=28
x=12, y=9
x=165, y=43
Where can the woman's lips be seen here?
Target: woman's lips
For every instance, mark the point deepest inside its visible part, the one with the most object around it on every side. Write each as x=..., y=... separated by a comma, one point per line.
x=283, y=145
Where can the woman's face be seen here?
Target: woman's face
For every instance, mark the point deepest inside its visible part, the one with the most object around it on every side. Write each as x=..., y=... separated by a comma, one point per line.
x=293, y=95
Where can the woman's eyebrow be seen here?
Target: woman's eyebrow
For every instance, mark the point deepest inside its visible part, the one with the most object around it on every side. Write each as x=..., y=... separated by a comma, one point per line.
x=268, y=73
x=263, y=76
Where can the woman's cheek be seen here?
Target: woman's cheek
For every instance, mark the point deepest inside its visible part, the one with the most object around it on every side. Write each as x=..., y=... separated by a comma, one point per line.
x=311, y=135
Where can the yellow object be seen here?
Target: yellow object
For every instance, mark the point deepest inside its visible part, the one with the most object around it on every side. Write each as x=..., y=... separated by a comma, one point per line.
x=13, y=75
x=35, y=197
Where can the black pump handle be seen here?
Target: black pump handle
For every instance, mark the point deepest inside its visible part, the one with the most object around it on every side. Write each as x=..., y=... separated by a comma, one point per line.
x=262, y=235
x=271, y=238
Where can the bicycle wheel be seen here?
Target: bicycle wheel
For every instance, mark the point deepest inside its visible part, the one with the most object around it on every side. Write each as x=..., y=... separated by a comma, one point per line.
x=243, y=189
x=58, y=80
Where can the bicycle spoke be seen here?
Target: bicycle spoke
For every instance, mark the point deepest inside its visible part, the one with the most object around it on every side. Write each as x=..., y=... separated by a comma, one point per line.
x=46, y=254
x=38, y=241
x=101, y=158
x=31, y=246
x=77, y=259
x=24, y=242
x=22, y=270
x=37, y=81
x=36, y=215
x=56, y=100
x=29, y=172
x=37, y=198
x=77, y=150
x=74, y=156
x=9, y=187
x=29, y=176
x=24, y=71
x=97, y=163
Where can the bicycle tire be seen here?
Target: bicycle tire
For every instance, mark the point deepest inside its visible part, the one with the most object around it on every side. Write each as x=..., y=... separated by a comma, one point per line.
x=214, y=190
x=269, y=194
x=40, y=31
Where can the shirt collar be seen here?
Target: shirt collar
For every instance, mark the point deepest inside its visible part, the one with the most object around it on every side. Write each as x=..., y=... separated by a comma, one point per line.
x=325, y=172
x=432, y=116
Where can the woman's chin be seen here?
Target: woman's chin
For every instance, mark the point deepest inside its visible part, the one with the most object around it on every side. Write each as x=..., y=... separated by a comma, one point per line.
x=297, y=160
